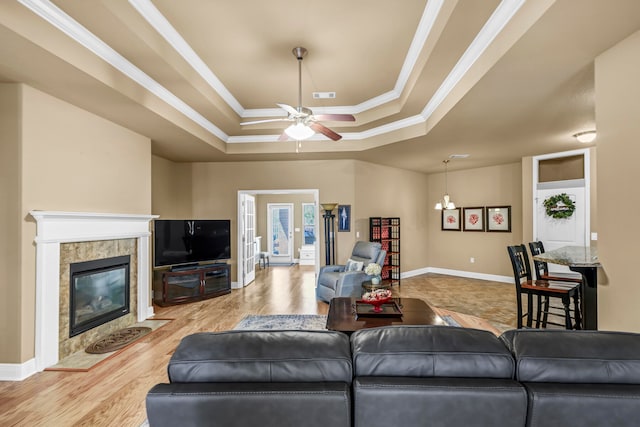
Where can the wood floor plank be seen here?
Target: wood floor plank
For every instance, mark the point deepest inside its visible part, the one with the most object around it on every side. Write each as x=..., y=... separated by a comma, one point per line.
x=113, y=393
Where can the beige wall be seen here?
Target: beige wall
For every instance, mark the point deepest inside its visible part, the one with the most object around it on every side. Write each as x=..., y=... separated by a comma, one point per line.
x=70, y=160
x=617, y=112
x=171, y=189
x=491, y=186
x=383, y=191
x=10, y=220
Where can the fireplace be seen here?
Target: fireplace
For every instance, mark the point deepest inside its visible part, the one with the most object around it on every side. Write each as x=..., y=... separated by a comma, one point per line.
x=63, y=238
x=99, y=292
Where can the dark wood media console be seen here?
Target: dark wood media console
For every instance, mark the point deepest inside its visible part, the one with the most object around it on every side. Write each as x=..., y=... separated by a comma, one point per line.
x=191, y=284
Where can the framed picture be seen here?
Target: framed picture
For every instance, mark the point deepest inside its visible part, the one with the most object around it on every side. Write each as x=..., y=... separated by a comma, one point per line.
x=473, y=219
x=499, y=218
x=344, y=217
x=451, y=219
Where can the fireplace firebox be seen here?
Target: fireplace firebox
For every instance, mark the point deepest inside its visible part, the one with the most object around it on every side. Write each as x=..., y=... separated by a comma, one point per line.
x=99, y=292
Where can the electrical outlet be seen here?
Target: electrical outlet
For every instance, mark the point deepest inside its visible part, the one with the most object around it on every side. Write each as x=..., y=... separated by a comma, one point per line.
x=357, y=234
x=472, y=260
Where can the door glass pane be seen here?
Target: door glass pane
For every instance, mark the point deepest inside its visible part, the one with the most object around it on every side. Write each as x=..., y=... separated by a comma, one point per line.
x=308, y=222
x=279, y=229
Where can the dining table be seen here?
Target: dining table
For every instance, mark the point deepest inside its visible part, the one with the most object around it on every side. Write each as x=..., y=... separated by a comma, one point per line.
x=583, y=260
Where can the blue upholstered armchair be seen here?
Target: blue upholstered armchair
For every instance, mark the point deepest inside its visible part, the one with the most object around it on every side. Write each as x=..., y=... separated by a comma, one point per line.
x=338, y=281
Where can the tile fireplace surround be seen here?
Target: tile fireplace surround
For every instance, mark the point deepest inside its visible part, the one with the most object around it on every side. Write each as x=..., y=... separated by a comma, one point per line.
x=54, y=228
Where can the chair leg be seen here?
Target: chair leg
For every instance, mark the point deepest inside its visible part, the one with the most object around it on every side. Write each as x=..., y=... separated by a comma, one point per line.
x=576, y=311
x=567, y=313
x=519, y=310
x=545, y=317
x=529, y=310
x=539, y=311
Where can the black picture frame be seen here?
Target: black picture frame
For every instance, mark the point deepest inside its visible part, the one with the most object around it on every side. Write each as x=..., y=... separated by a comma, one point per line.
x=498, y=219
x=473, y=219
x=450, y=219
x=344, y=217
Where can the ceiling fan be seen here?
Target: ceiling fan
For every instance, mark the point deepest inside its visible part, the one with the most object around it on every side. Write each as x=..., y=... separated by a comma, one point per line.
x=305, y=123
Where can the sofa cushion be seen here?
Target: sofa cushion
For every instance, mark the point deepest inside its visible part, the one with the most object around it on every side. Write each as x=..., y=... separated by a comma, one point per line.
x=262, y=356
x=567, y=405
x=250, y=404
x=561, y=356
x=430, y=351
x=444, y=402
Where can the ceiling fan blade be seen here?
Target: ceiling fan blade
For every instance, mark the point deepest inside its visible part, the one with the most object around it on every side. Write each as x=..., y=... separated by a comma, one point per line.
x=325, y=131
x=255, y=122
x=289, y=109
x=335, y=117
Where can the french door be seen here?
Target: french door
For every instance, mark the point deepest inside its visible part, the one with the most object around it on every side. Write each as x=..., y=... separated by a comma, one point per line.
x=280, y=232
x=248, y=203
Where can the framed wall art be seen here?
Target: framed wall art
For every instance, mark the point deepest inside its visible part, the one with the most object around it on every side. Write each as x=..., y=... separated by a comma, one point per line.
x=344, y=218
x=473, y=219
x=451, y=219
x=499, y=218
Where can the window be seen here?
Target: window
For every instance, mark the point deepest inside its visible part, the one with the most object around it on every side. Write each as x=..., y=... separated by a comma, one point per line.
x=309, y=223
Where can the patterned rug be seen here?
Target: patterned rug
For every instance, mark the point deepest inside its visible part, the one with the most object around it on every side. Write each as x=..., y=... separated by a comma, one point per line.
x=117, y=340
x=283, y=321
x=297, y=322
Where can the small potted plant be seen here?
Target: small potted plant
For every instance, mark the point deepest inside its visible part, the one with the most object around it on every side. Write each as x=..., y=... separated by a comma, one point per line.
x=373, y=269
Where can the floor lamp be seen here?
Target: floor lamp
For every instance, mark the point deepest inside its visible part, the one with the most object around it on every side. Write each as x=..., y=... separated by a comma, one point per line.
x=329, y=236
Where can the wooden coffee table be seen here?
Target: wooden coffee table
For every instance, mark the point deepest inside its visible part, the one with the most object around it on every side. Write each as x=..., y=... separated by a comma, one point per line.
x=342, y=315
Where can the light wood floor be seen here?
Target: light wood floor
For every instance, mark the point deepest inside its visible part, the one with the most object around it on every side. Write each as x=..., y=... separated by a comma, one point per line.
x=113, y=393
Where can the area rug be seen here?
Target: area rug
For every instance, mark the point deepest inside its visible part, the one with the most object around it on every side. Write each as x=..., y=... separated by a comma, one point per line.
x=298, y=322
x=118, y=339
x=283, y=322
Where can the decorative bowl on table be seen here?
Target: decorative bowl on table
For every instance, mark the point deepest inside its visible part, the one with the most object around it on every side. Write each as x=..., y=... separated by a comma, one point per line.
x=376, y=298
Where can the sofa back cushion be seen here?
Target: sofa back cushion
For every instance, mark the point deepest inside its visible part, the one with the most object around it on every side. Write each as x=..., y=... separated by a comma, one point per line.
x=262, y=356
x=430, y=351
x=560, y=356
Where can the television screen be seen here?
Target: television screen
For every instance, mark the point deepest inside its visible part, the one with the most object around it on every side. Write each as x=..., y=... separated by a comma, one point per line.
x=190, y=241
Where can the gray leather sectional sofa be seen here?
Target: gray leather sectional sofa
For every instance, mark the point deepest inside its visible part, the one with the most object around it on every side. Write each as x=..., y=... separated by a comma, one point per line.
x=401, y=376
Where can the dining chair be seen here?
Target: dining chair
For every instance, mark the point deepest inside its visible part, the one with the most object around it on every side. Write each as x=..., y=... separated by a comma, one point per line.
x=543, y=290
x=541, y=269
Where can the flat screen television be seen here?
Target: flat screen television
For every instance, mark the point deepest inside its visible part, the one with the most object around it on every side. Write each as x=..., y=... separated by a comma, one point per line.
x=188, y=241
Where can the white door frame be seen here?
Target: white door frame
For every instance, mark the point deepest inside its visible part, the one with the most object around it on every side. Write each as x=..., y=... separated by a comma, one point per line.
x=316, y=199
x=587, y=187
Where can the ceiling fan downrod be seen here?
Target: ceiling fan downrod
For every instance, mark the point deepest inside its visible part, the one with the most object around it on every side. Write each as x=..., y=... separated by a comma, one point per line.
x=299, y=53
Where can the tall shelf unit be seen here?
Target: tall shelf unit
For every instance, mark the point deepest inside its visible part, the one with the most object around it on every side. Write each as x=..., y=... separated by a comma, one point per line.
x=386, y=231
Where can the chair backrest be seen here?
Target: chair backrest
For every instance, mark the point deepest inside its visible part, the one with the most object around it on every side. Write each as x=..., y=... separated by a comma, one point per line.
x=520, y=263
x=541, y=268
x=366, y=252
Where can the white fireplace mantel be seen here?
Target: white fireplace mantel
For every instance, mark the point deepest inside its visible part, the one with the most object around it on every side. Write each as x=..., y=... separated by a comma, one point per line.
x=54, y=228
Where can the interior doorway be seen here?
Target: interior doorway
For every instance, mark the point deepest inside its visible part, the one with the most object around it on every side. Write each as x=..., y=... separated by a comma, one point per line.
x=261, y=227
x=567, y=175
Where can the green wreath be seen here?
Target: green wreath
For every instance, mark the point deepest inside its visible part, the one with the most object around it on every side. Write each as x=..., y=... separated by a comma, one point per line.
x=559, y=206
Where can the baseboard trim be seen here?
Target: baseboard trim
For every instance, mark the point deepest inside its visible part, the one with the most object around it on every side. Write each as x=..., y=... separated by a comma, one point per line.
x=17, y=371
x=459, y=273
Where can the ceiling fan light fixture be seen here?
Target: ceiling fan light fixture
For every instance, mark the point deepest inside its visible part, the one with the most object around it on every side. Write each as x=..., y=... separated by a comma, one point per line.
x=586, y=136
x=299, y=131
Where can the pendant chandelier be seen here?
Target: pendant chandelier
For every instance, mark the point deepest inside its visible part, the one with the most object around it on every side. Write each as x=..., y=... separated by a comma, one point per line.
x=446, y=202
